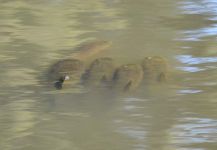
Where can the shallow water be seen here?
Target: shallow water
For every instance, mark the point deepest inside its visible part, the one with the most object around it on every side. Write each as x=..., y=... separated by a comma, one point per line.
x=181, y=115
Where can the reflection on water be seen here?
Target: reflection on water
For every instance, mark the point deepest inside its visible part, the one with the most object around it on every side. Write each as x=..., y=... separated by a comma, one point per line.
x=178, y=115
x=194, y=61
x=197, y=126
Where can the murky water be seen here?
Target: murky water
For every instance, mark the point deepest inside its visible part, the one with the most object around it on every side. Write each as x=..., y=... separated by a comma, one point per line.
x=179, y=116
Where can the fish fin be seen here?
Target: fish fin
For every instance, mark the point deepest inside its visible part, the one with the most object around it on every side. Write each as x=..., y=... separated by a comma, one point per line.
x=128, y=86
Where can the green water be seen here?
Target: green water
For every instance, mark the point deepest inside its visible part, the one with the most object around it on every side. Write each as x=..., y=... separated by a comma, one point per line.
x=181, y=115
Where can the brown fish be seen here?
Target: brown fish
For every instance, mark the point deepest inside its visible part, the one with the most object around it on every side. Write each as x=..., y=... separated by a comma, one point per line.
x=90, y=49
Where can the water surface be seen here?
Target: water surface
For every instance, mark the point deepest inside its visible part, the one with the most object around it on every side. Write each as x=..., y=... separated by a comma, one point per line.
x=179, y=116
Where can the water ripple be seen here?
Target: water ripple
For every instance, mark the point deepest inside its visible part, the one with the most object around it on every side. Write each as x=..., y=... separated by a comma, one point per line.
x=208, y=8
x=188, y=59
x=199, y=6
x=195, y=130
